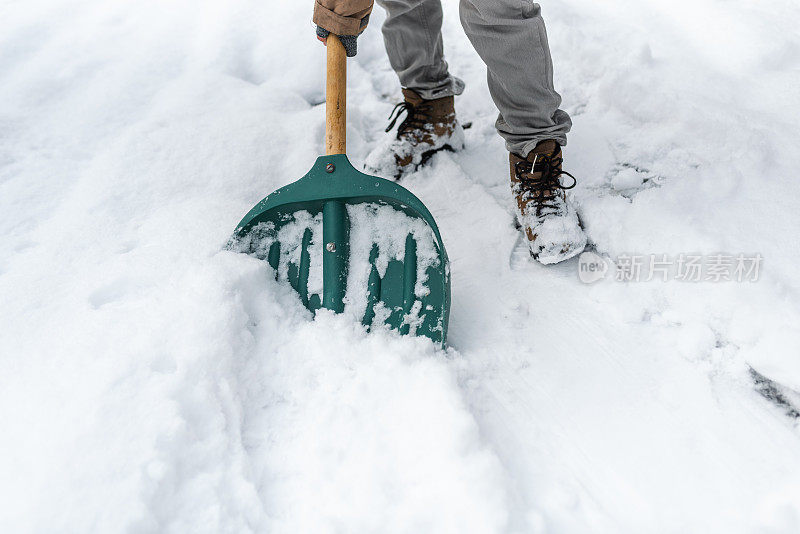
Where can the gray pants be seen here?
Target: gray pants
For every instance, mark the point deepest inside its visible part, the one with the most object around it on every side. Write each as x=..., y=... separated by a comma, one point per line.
x=509, y=36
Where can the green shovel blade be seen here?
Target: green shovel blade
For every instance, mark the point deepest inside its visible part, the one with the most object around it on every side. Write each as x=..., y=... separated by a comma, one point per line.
x=381, y=254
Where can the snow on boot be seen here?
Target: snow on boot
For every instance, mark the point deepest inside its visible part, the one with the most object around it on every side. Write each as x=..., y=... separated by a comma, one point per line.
x=544, y=212
x=429, y=127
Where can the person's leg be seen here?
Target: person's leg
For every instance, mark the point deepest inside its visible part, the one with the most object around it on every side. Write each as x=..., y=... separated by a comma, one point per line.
x=510, y=37
x=413, y=37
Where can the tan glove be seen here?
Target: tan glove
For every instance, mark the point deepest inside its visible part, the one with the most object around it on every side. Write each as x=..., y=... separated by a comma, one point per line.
x=345, y=18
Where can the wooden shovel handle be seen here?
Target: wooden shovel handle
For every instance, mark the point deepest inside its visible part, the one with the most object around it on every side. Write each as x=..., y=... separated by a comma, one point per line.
x=336, y=98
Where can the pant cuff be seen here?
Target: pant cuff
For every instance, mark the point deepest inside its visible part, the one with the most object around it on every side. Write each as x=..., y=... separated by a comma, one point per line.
x=452, y=86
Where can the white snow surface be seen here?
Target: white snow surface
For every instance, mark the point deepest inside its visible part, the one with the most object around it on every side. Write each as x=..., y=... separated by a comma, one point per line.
x=152, y=382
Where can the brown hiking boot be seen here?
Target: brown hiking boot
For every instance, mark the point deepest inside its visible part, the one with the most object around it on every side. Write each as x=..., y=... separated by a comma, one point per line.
x=544, y=212
x=429, y=127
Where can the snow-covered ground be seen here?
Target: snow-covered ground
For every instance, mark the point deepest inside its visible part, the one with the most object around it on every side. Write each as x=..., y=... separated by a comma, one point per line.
x=152, y=382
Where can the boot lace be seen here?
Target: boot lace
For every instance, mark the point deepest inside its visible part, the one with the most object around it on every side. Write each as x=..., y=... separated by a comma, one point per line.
x=416, y=117
x=545, y=187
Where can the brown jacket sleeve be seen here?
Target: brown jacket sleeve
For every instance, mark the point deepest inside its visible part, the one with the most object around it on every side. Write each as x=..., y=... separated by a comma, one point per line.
x=342, y=17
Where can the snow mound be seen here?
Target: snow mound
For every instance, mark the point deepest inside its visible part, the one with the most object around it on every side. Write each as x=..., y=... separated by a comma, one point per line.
x=338, y=404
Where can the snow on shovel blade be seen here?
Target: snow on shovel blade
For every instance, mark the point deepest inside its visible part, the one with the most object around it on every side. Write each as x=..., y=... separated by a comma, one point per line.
x=354, y=244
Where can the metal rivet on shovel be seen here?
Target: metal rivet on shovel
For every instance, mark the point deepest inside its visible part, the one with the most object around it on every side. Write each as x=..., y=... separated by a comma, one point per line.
x=319, y=206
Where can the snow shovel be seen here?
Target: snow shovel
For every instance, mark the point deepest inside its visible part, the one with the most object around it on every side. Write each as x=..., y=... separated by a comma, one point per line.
x=349, y=242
